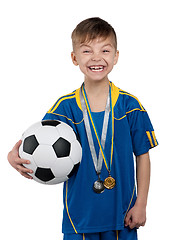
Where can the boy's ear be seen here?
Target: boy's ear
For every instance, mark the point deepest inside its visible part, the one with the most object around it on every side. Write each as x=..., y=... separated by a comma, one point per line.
x=74, y=59
x=116, y=57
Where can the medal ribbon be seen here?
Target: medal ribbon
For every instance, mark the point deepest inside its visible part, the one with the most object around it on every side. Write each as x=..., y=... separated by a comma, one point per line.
x=87, y=111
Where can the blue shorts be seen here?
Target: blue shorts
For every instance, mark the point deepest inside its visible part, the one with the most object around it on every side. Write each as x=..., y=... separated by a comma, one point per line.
x=126, y=234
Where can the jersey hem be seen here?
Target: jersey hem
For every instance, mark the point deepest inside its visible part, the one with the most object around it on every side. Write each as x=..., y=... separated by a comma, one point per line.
x=94, y=229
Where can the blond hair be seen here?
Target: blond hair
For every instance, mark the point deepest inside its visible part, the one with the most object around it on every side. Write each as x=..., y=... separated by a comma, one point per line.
x=91, y=29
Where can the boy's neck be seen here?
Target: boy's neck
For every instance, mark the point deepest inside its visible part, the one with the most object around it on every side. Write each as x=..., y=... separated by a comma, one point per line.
x=97, y=93
x=96, y=88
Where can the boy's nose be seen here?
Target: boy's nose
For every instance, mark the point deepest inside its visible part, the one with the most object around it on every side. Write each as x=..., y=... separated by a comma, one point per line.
x=96, y=57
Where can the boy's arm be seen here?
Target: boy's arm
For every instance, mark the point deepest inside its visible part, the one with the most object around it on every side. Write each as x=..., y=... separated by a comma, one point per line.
x=136, y=217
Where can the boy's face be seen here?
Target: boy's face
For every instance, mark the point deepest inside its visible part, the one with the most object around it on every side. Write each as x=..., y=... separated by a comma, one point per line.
x=96, y=59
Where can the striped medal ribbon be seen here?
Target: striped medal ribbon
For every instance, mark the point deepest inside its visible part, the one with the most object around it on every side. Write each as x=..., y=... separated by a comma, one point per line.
x=98, y=186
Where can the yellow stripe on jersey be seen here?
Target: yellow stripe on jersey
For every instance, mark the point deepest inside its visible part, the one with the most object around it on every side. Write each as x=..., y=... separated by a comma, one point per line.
x=130, y=200
x=117, y=234
x=120, y=118
x=68, y=210
x=114, y=94
x=77, y=95
x=69, y=118
x=150, y=139
x=154, y=138
x=128, y=94
x=136, y=109
x=55, y=106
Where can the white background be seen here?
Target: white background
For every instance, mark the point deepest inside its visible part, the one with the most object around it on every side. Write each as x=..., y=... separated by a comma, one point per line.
x=36, y=69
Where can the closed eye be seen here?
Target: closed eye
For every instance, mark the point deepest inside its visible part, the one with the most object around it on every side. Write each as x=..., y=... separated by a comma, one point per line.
x=86, y=51
x=106, y=51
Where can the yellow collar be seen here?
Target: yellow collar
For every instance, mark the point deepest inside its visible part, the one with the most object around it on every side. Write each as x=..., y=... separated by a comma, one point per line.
x=114, y=95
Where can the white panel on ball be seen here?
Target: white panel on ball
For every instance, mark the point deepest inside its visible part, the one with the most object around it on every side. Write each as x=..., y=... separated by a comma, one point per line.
x=31, y=130
x=66, y=132
x=50, y=133
x=62, y=167
x=44, y=156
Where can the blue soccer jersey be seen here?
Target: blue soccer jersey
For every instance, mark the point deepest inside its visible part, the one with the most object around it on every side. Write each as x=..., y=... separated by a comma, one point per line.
x=84, y=210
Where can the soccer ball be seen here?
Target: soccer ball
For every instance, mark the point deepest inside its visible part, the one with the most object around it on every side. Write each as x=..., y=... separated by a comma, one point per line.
x=53, y=149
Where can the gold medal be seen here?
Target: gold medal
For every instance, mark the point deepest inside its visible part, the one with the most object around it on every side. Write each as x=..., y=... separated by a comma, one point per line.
x=109, y=182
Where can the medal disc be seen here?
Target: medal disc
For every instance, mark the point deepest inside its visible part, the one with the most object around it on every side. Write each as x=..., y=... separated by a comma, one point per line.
x=109, y=182
x=98, y=186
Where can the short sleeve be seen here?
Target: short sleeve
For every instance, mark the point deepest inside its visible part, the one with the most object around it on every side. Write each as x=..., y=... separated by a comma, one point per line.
x=142, y=132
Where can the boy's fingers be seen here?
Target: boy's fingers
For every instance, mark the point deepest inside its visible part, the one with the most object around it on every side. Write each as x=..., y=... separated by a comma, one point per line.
x=19, y=160
x=127, y=219
x=17, y=145
x=22, y=161
x=22, y=169
x=135, y=224
x=26, y=175
x=132, y=225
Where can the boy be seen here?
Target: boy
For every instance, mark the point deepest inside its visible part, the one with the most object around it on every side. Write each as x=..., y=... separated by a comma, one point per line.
x=100, y=201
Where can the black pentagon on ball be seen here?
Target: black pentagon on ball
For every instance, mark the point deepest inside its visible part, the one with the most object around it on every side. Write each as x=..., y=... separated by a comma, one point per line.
x=62, y=147
x=52, y=123
x=30, y=144
x=44, y=174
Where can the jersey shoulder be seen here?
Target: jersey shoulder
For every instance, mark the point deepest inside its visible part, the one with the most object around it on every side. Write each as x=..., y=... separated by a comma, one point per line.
x=130, y=101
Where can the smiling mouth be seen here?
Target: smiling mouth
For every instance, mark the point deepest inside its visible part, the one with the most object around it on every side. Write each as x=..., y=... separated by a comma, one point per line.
x=96, y=68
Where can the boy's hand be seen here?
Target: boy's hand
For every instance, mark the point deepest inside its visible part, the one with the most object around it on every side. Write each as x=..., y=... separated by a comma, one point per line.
x=136, y=217
x=16, y=162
